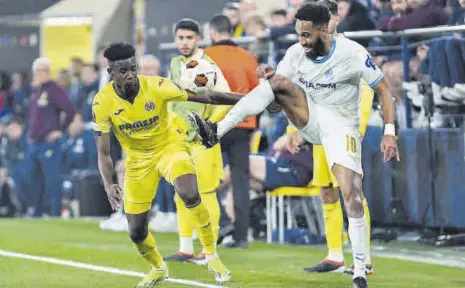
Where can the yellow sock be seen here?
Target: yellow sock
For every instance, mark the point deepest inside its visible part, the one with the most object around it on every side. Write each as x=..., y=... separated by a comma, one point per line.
x=148, y=250
x=334, y=221
x=211, y=202
x=201, y=219
x=368, y=217
x=185, y=223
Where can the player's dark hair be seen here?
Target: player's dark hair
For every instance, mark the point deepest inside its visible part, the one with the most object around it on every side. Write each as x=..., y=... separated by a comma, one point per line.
x=119, y=51
x=332, y=6
x=279, y=12
x=317, y=13
x=188, y=24
x=221, y=24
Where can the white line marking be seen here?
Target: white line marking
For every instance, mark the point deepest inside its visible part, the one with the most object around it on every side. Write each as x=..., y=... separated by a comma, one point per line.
x=99, y=268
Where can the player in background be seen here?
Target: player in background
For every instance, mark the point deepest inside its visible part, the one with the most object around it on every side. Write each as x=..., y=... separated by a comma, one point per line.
x=329, y=188
x=317, y=84
x=208, y=162
x=135, y=107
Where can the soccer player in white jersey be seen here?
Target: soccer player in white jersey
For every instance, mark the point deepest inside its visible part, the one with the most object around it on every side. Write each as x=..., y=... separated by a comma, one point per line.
x=317, y=84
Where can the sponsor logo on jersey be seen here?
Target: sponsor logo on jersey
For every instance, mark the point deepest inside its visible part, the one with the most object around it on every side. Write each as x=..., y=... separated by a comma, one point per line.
x=316, y=86
x=369, y=63
x=149, y=106
x=138, y=126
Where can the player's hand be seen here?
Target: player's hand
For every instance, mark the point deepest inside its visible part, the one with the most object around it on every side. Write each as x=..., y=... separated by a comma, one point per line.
x=389, y=148
x=264, y=71
x=293, y=142
x=115, y=196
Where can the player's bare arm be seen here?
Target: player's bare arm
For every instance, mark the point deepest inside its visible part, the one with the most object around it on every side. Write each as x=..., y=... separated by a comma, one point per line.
x=105, y=165
x=215, y=97
x=389, y=143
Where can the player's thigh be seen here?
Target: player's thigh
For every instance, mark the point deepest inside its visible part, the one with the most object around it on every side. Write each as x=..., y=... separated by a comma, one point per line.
x=293, y=100
x=176, y=161
x=139, y=189
x=208, y=166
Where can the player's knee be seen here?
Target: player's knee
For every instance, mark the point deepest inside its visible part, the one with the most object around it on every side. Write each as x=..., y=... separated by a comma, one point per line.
x=138, y=233
x=278, y=82
x=190, y=198
x=329, y=195
x=353, y=203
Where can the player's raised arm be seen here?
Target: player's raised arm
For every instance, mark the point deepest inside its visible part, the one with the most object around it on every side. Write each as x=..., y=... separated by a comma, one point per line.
x=215, y=97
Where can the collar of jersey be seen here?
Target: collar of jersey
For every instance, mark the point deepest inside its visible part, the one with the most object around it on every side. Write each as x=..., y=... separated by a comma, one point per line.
x=331, y=51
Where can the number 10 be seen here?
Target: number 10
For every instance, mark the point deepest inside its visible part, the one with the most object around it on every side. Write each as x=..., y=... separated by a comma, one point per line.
x=351, y=144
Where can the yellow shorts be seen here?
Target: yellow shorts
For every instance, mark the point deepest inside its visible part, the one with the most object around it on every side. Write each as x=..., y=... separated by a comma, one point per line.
x=322, y=175
x=209, y=166
x=142, y=176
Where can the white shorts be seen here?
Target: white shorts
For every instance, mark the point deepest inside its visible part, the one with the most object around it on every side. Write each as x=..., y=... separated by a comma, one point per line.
x=340, y=137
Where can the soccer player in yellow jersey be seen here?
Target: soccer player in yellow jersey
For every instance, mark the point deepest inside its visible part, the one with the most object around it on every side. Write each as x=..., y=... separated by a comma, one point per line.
x=324, y=178
x=135, y=107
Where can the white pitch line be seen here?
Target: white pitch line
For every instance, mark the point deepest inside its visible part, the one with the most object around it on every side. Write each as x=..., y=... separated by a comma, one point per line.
x=99, y=268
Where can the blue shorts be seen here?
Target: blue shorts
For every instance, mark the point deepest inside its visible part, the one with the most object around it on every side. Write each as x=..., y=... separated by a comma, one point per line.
x=280, y=172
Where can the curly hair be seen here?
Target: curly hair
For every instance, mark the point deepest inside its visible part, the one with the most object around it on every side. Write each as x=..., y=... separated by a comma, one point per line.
x=316, y=12
x=119, y=51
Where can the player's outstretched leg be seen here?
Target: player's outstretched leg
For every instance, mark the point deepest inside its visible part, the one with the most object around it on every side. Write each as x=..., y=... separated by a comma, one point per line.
x=186, y=187
x=290, y=96
x=332, y=212
x=145, y=245
x=350, y=183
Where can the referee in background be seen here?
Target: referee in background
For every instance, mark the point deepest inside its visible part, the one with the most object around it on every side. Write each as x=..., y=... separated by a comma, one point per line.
x=238, y=67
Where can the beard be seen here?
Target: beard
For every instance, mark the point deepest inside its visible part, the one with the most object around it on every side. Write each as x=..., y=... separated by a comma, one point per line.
x=318, y=49
x=131, y=90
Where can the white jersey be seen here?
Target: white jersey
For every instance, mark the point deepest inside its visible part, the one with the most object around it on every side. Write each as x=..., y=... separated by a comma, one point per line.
x=332, y=81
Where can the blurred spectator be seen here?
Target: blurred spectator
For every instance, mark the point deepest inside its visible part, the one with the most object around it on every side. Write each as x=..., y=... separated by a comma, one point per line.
x=45, y=128
x=294, y=5
x=21, y=91
x=232, y=11
x=64, y=80
x=15, y=164
x=381, y=8
x=238, y=67
x=104, y=77
x=6, y=96
x=353, y=16
x=255, y=26
x=89, y=88
x=149, y=65
x=75, y=69
x=79, y=154
x=279, y=18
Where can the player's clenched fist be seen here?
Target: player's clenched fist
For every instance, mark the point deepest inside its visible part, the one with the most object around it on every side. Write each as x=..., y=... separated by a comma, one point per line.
x=389, y=148
x=264, y=71
x=115, y=196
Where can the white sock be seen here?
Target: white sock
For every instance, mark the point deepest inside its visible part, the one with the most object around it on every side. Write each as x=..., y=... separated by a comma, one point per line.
x=335, y=256
x=252, y=104
x=211, y=256
x=186, y=245
x=358, y=235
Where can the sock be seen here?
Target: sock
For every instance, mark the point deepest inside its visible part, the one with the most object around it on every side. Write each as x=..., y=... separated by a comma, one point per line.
x=210, y=200
x=252, y=104
x=185, y=226
x=358, y=236
x=203, y=226
x=334, y=221
x=148, y=250
x=368, y=219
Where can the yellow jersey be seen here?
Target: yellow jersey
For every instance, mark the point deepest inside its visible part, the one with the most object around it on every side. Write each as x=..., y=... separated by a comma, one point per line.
x=143, y=127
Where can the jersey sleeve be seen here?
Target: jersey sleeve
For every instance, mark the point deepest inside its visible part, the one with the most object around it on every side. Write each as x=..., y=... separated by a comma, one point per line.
x=171, y=91
x=367, y=69
x=100, y=116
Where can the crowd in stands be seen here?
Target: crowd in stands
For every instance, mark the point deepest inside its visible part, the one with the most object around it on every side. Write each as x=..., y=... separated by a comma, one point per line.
x=46, y=134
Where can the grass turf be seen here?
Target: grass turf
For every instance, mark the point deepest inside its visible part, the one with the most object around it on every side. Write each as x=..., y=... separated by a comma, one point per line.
x=262, y=265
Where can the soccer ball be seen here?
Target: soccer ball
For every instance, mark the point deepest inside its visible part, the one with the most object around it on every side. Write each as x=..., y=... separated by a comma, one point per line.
x=198, y=76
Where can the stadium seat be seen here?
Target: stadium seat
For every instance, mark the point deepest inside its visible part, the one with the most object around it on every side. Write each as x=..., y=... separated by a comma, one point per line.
x=276, y=198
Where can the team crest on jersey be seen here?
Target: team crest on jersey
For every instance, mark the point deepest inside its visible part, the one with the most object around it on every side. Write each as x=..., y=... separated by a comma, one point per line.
x=149, y=106
x=369, y=63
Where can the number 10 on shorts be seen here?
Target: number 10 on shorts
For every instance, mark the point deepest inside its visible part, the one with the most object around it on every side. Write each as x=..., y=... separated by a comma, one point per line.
x=351, y=145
